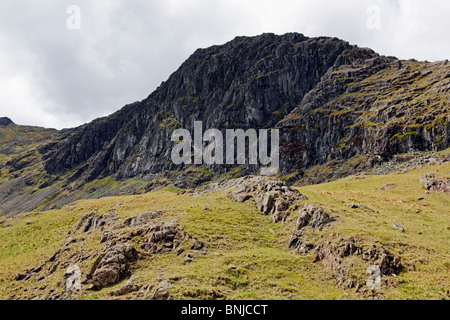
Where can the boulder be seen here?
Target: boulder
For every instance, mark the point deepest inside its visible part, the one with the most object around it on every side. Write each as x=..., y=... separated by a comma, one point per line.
x=162, y=238
x=271, y=196
x=240, y=197
x=113, y=266
x=265, y=202
x=398, y=227
x=188, y=259
x=129, y=287
x=309, y=215
x=334, y=257
x=301, y=247
x=198, y=245
x=313, y=215
x=389, y=263
x=357, y=206
x=162, y=291
x=387, y=187
x=141, y=219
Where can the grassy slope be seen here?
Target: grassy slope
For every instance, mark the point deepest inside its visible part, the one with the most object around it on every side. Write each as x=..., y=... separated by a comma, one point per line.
x=426, y=239
x=15, y=139
x=18, y=140
x=237, y=234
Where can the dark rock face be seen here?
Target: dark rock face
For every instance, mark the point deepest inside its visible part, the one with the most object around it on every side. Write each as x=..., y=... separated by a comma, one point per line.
x=331, y=100
x=366, y=105
x=5, y=121
x=246, y=83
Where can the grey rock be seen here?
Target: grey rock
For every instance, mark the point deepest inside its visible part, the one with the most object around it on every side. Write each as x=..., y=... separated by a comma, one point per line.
x=198, y=245
x=398, y=227
x=387, y=187
x=313, y=215
x=129, y=287
x=141, y=219
x=162, y=291
x=240, y=197
x=433, y=182
x=188, y=259
x=357, y=206
x=113, y=266
x=271, y=196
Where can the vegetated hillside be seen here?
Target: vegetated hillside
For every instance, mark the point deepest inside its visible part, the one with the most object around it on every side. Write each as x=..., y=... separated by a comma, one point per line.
x=23, y=183
x=220, y=242
x=337, y=106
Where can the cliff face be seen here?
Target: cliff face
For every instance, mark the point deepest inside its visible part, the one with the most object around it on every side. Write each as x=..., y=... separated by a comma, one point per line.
x=331, y=101
x=246, y=83
x=374, y=106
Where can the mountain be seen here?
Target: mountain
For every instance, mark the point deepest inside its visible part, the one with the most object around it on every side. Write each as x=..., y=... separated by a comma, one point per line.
x=358, y=210
x=4, y=122
x=340, y=109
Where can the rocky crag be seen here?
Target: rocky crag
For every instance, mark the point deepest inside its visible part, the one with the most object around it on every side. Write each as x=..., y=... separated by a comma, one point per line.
x=333, y=103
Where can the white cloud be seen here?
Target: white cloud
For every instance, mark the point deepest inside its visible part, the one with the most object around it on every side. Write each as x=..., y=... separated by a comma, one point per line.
x=55, y=77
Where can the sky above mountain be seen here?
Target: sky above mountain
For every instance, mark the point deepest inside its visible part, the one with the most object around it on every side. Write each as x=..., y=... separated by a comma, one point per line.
x=64, y=63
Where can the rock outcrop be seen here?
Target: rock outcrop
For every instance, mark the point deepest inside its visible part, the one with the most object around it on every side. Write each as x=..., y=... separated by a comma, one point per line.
x=125, y=242
x=314, y=216
x=340, y=255
x=272, y=197
x=309, y=215
x=433, y=182
x=330, y=99
x=112, y=266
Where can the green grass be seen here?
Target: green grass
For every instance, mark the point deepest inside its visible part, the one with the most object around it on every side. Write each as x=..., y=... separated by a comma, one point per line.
x=237, y=234
x=426, y=240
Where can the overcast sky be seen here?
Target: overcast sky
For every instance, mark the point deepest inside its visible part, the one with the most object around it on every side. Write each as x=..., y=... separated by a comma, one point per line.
x=60, y=71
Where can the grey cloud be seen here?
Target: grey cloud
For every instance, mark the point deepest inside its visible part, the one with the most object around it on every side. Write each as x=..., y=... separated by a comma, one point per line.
x=57, y=77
